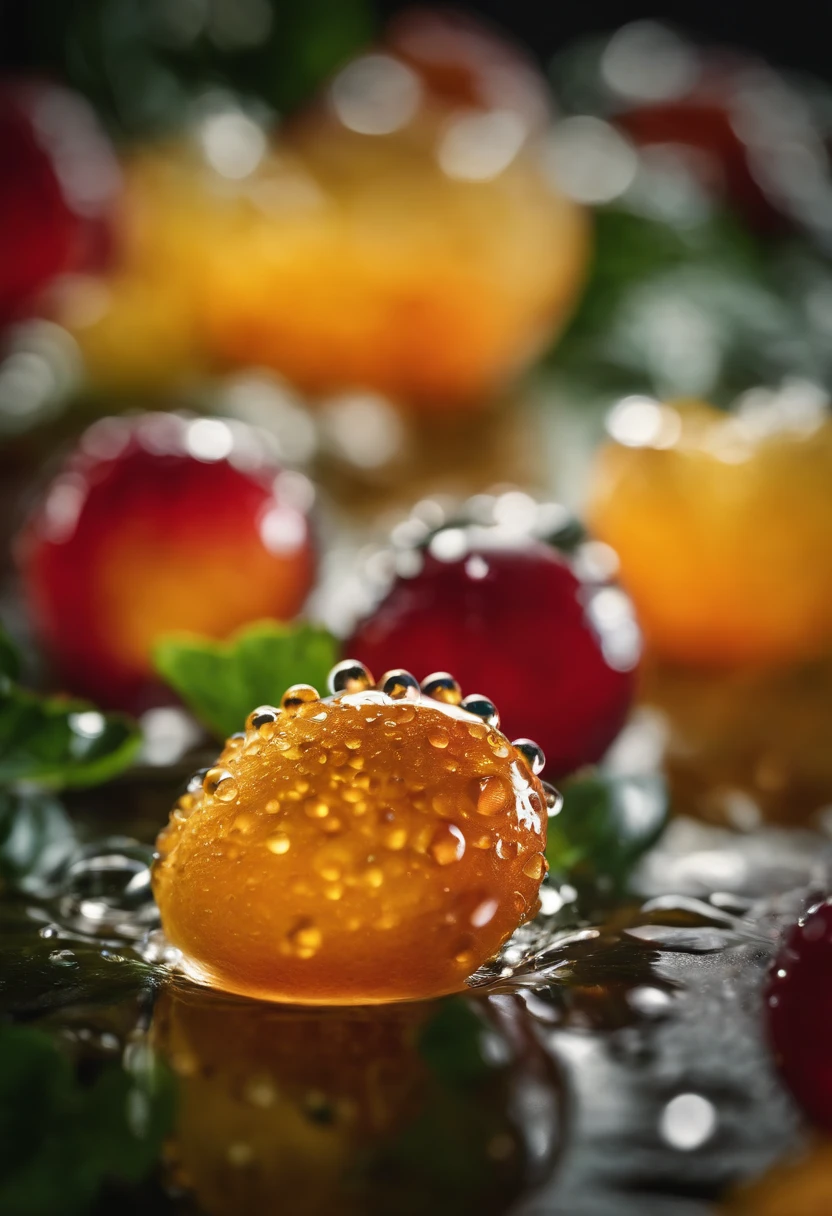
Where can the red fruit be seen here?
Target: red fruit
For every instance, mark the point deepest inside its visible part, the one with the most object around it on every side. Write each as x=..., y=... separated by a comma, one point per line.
x=799, y=1008
x=555, y=655
x=158, y=524
x=465, y=65
x=60, y=178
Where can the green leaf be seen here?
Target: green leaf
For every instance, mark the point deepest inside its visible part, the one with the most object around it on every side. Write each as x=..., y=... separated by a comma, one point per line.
x=58, y=742
x=222, y=682
x=36, y=835
x=604, y=827
x=451, y=1045
x=61, y=1140
x=9, y=658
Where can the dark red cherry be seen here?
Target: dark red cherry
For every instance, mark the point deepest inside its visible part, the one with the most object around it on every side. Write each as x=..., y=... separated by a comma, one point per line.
x=60, y=178
x=556, y=656
x=799, y=1010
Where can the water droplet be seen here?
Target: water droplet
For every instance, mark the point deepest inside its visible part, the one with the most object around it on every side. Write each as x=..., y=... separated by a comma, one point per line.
x=477, y=730
x=495, y=796
x=442, y=686
x=304, y=938
x=394, y=838
x=334, y=892
x=532, y=754
x=554, y=799
x=535, y=867
x=352, y=744
x=316, y=808
x=349, y=676
x=374, y=877
x=675, y=939
x=331, y=826
x=506, y=849
x=484, y=913
x=447, y=844
x=481, y=707
x=297, y=696
x=196, y=781
x=63, y=958
x=279, y=843
x=245, y=823
x=105, y=889
x=439, y=738
x=264, y=715
x=220, y=784
x=482, y=842
x=462, y=952
x=272, y=806
x=400, y=685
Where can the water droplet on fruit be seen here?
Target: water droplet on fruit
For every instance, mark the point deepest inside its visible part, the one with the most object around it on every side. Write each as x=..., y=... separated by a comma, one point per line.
x=304, y=938
x=297, y=696
x=278, y=844
x=554, y=799
x=264, y=715
x=535, y=867
x=400, y=685
x=495, y=796
x=220, y=784
x=442, y=686
x=447, y=844
x=439, y=738
x=532, y=754
x=481, y=707
x=349, y=676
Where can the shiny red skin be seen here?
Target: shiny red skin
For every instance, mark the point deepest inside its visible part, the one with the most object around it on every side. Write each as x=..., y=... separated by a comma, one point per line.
x=136, y=538
x=799, y=1012
x=60, y=181
x=520, y=636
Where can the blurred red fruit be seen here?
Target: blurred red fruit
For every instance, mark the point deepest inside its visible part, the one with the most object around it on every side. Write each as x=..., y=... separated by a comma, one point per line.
x=799, y=1006
x=556, y=656
x=60, y=180
x=158, y=524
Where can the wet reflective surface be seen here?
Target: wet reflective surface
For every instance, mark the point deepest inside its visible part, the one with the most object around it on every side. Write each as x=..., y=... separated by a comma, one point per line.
x=611, y=1060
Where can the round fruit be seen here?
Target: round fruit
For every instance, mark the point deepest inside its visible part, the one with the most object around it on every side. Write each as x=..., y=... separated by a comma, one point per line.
x=157, y=524
x=799, y=1008
x=60, y=179
x=723, y=527
x=377, y=846
x=557, y=654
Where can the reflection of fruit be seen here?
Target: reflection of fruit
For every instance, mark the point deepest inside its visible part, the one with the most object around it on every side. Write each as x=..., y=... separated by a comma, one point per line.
x=401, y=236
x=59, y=182
x=520, y=622
x=799, y=1010
x=799, y=1186
x=368, y=848
x=337, y=1112
x=723, y=529
x=748, y=744
x=156, y=524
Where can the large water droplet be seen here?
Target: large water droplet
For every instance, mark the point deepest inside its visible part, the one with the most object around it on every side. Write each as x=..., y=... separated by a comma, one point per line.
x=297, y=696
x=442, y=686
x=105, y=890
x=349, y=676
x=447, y=844
x=495, y=796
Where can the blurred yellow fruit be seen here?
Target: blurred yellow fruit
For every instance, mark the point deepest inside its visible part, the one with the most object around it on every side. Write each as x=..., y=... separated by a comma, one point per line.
x=395, y=237
x=723, y=526
x=801, y=1186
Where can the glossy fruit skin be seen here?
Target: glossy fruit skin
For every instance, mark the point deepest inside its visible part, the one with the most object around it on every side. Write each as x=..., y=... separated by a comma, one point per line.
x=723, y=532
x=352, y=851
x=510, y=620
x=60, y=183
x=798, y=1002
x=149, y=530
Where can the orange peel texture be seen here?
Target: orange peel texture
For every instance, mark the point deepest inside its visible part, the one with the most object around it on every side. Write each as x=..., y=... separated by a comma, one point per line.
x=378, y=845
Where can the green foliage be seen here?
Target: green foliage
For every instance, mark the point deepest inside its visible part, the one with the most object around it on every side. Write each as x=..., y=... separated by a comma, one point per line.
x=222, y=682
x=36, y=835
x=605, y=825
x=60, y=1139
x=142, y=63
x=58, y=742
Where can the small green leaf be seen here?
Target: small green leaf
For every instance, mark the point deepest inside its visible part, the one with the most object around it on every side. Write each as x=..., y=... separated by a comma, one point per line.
x=61, y=1139
x=36, y=835
x=9, y=658
x=604, y=827
x=59, y=742
x=222, y=682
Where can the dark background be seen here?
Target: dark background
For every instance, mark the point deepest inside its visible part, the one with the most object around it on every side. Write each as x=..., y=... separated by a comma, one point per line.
x=797, y=35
